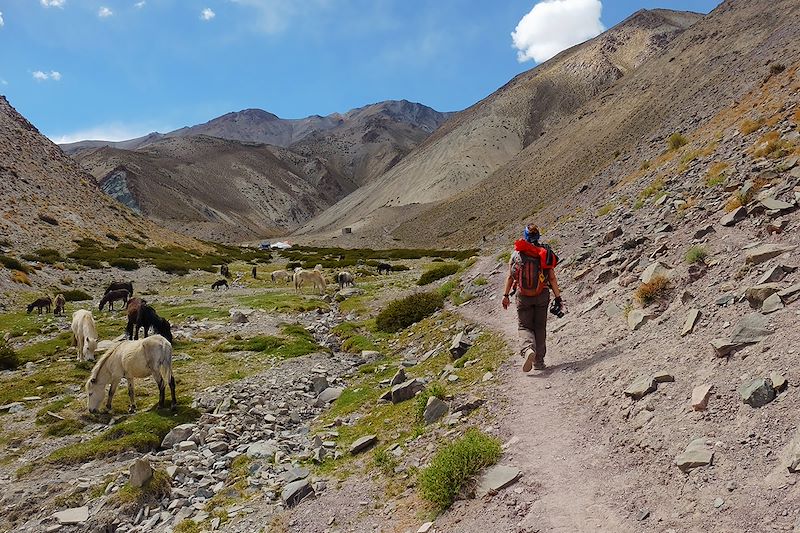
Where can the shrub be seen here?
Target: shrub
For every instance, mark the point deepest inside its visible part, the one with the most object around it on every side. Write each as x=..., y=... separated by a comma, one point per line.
x=606, y=209
x=44, y=217
x=384, y=461
x=653, y=290
x=400, y=268
x=436, y=390
x=717, y=173
x=654, y=188
x=399, y=314
x=677, y=140
x=44, y=255
x=438, y=272
x=124, y=264
x=9, y=360
x=749, y=126
x=18, y=276
x=455, y=464
x=770, y=145
x=76, y=295
x=645, y=165
x=776, y=68
x=13, y=264
x=696, y=254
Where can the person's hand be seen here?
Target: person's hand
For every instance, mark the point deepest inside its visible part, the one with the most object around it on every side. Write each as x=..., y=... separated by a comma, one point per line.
x=506, y=302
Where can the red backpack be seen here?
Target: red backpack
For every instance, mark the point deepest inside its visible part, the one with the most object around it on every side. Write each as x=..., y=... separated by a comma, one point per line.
x=534, y=261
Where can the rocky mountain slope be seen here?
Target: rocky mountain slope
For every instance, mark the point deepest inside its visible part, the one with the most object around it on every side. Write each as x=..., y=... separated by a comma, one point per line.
x=480, y=140
x=321, y=160
x=47, y=201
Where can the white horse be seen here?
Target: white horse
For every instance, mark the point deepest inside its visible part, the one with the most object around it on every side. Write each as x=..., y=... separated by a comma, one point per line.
x=311, y=276
x=84, y=334
x=151, y=356
x=345, y=279
x=281, y=275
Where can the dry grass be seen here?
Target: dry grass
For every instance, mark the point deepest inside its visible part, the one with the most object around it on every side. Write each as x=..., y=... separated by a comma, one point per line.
x=771, y=145
x=654, y=290
x=739, y=199
x=717, y=174
x=677, y=140
x=18, y=276
x=748, y=126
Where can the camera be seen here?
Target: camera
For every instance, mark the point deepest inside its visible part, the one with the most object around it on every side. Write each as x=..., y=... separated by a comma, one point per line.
x=555, y=309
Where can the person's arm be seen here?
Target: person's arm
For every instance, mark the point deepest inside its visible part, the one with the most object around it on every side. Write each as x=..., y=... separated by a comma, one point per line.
x=554, y=283
x=508, y=285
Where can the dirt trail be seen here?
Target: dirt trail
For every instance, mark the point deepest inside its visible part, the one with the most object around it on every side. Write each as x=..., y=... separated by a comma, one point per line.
x=551, y=441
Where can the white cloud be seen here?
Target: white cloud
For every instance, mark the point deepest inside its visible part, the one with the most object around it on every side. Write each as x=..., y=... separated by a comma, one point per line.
x=273, y=16
x=207, y=14
x=555, y=25
x=40, y=75
x=53, y=3
x=140, y=5
x=112, y=132
x=104, y=12
x=2, y=22
x=3, y=82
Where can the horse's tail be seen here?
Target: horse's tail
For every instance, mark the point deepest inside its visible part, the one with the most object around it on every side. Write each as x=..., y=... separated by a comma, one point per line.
x=165, y=365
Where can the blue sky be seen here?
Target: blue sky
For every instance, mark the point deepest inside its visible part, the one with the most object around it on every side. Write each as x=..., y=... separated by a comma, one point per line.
x=121, y=68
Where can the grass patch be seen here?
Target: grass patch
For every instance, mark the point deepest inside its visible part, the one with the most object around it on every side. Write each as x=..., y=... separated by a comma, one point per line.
x=283, y=302
x=717, y=174
x=399, y=314
x=44, y=255
x=480, y=282
x=676, y=141
x=606, y=209
x=655, y=289
x=296, y=342
x=771, y=146
x=454, y=465
x=18, y=276
x=655, y=187
x=12, y=263
x=124, y=264
x=438, y=272
x=749, y=126
x=384, y=461
x=696, y=254
x=156, y=488
x=62, y=428
x=76, y=295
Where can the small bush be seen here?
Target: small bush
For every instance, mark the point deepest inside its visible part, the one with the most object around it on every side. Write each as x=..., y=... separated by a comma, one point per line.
x=653, y=290
x=400, y=268
x=749, y=126
x=606, y=209
x=436, y=390
x=776, y=68
x=677, y=140
x=480, y=282
x=438, y=272
x=8, y=357
x=696, y=254
x=18, y=276
x=770, y=145
x=717, y=173
x=399, y=314
x=76, y=295
x=645, y=165
x=124, y=264
x=384, y=461
x=13, y=264
x=455, y=464
x=654, y=188
x=44, y=255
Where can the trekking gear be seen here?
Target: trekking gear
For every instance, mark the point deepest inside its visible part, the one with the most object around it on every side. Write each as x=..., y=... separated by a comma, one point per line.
x=534, y=260
x=556, y=309
x=529, y=361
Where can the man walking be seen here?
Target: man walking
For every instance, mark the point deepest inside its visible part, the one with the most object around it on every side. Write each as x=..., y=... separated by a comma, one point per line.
x=531, y=271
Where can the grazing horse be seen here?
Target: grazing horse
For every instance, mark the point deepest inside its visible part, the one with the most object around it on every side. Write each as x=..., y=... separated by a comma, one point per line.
x=384, y=268
x=224, y=271
x=144, y=316
x=40, y=303
x=345, y=279
x=132, y=359
x=311, y=276
x=114, y=296
x=117, y=285
x=84, y=334
x=281, y=275
x=217, y=285
x=58, y=306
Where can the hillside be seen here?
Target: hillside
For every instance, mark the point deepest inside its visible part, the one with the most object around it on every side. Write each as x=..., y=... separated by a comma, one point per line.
x=214, y=188
x=476, y=142
x=47, y=201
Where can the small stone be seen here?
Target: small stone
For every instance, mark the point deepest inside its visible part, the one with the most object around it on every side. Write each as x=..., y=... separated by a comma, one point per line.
x=734, y=217
x=141, y=472
x=691, y=320
x=697, y=454
x=75, y=515
x=757, y=392
x=460, y=345
x=752, y=328
x=640, y=388
x=294, y=492
x=700, y=395
x=329, y=395
x=398, y=378
x=319, y=384
x=187, y=445
x=177, y=434
x=434, y=410
x=261, y=450
x=655, y=270
x=771, y=304
x=765, y=252
x=718, y=502
x=406, y=390
x=425, y=528
x=778, y=381
x=636, y=319
x=496, y=478
x=663, y=377
x=363, y=443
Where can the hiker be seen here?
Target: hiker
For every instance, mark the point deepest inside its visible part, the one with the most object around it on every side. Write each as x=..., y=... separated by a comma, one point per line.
x=531, y=273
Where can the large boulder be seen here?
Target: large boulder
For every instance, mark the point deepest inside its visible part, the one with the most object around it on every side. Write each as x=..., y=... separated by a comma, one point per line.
x=758, y=293
x=406, y=390
x=329, y=395
x=752, y=328
x=434, y=410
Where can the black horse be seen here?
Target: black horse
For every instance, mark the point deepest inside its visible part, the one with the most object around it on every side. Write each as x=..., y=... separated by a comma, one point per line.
x=219, y=284
x=224, y=271
x=148, y=318
x=384, y=268
x=41, y=303
x=113, y=296
x=118, y=285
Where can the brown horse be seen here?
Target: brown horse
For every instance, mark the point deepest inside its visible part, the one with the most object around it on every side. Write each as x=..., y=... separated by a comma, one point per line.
x=117, y=285
x=114, y=296
x=60, y=302
x=41, y=303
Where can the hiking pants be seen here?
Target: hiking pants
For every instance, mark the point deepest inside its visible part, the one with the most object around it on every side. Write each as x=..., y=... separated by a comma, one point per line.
x=532, y=319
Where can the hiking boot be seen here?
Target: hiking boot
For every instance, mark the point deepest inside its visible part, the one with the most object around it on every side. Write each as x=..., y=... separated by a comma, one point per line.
x=539, y=365
x=529, y=360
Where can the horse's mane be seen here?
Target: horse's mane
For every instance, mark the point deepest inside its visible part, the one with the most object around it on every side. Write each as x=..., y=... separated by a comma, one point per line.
x=106, y=356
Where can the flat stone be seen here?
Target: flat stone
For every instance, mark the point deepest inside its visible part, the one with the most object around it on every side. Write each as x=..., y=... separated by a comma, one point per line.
x=141, y=472
x=773, y=204
x=663, y=377
x=697, y=454
x=329, y=395
x=363, y=443
x=406, y=390
x=734, y=217
x=790, y=294
x=398, y=378
x=294, y=474
x=636, y=319
x=641, y=387
x=771, y=304
x=460, y=345
x=496, y=478
x=187, y=445
x=425, y=528
x=725, y=299
x=75, y=515
x=793, y=453
x=434, y=410
x=773, y=275
x=664, y=228
x=261, y=450
x=757, y=392
x=765, y=252
x=702, y=232
x=654, y=270
x=691, y=320
x=752, y=328
x=612, y=234
x=319, y=384
x=295, y=491
x=758, y=293
x=723, y=347
x=700, y=395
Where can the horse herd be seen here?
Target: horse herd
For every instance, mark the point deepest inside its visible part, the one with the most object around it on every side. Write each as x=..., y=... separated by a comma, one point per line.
x=299, y=277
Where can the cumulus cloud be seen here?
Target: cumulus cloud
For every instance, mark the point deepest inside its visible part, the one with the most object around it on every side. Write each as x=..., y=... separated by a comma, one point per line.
x=53, y=3
x=207, y=14
x=140, y=5
x=104, y=12
x=274, y=16
x=555, y=25
x=40, y=75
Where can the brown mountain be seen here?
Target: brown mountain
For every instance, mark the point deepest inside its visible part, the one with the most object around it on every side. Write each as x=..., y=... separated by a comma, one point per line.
x=47, y=200
x=478, y=141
